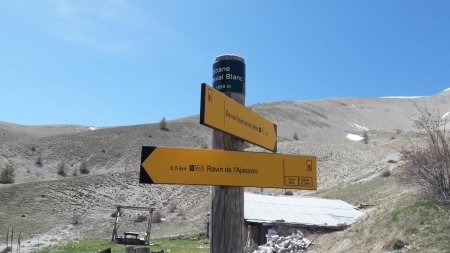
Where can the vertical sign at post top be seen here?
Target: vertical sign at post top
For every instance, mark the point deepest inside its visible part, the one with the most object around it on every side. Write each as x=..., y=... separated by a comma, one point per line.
x=229, y=75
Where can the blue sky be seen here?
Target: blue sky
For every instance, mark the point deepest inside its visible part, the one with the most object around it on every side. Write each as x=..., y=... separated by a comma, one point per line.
x=116, y=62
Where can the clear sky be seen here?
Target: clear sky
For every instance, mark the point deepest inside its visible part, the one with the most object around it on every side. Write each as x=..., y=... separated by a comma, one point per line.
x=105, y=63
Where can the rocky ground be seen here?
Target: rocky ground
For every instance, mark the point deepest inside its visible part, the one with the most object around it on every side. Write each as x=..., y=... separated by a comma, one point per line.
x=296, y=242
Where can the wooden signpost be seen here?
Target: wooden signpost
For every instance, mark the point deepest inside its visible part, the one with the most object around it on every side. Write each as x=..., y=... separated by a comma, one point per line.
x=227, y=168
x=227, y=202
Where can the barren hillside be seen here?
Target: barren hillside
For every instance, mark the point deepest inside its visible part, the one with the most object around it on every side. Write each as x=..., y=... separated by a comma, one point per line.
x=13, y=132
x=43, y=204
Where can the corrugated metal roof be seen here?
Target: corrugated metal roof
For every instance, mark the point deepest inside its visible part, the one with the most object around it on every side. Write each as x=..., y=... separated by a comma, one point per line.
x=299, y=210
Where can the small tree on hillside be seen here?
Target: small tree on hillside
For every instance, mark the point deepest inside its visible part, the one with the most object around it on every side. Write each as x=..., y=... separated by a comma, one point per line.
x=295, y=136
x=62, y=170
x=7, y=175
x=84, y=169
x=157, y=217
x=163, y=124
x=366, y=137
x=38, y=161
x=428, y=165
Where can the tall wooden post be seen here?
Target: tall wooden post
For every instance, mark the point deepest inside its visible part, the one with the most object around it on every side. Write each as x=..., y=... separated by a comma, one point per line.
x=227, y=203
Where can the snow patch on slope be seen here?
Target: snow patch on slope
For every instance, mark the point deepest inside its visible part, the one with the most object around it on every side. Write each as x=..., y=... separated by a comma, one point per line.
x=354, y=137
x=92, y=128
x=403, y=97
x=445, y=115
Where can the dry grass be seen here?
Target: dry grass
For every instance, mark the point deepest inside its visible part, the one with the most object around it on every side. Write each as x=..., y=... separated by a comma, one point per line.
x=397, y=217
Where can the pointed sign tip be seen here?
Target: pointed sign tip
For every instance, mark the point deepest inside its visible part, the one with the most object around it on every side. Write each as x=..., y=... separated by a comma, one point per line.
x=144, y=177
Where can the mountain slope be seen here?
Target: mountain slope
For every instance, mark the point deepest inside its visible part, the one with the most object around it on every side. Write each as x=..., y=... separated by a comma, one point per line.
x=41, y=202
x=334, y=118
x=13, y=132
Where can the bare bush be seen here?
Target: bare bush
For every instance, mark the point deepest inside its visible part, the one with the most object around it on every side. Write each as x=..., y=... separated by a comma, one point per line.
x=180, y=212
x=39, y=162
x=394, y=244
x=172, y=207
x=428, y=165
x=76, y=219
x=385, y=173
x=7, y=249
x=84, y=169
x=157, y=217
x=114, y=214
x=288, y=193
x=62, y=170
x=366, y=137
x=140, y=218
x=7, y=175
x=163, y=124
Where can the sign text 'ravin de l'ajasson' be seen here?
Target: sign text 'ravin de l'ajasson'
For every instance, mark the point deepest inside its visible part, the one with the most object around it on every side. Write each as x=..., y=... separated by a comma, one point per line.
x=164, y=165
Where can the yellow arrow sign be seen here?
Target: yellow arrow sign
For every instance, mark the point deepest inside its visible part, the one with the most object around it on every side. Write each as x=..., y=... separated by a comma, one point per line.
x=225, y=114
x=161, y=165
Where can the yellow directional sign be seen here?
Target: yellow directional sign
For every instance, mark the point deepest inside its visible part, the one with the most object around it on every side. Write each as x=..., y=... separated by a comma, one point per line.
x=161, y=165
x=225, y=114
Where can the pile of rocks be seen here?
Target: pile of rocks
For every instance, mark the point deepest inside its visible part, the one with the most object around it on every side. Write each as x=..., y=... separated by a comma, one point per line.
x=296, y=242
